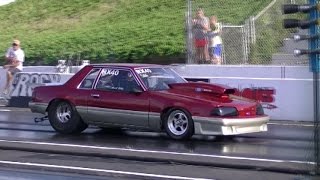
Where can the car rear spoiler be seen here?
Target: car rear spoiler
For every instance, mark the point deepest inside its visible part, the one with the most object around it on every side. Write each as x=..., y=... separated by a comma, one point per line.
x=204, y=87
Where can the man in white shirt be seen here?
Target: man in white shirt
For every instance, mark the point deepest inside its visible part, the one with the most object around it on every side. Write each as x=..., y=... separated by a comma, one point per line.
x=15, y=59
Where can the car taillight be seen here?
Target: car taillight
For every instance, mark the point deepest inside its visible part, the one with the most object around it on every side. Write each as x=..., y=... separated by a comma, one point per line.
x=259, y=110
x=224, y=111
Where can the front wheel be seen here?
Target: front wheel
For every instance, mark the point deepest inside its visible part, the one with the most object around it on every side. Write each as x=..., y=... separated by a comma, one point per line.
x=179, y=124
x=64, y=118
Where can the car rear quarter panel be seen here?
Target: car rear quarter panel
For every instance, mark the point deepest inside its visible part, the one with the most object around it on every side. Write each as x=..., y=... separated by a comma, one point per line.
x=67, y=91
x=45, y=94
x=162, y=101
x=197, y=104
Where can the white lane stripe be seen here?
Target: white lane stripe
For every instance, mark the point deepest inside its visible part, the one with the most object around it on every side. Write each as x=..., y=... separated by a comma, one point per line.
x=291, y=124
x=161, y=152
x=248, y=78
x=5, y=110
x=102, y=170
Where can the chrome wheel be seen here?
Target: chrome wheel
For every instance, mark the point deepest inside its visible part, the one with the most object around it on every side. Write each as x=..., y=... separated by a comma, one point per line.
x=64, y=112
x=64, y=118
x=178, y=122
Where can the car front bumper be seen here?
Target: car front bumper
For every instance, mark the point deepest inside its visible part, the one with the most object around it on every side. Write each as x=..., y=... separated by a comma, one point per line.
x=229, y=126
x=38, y=107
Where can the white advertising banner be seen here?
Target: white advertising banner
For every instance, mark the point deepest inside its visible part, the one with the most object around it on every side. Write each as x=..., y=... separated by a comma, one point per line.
x=24, y=82
x=282, y=99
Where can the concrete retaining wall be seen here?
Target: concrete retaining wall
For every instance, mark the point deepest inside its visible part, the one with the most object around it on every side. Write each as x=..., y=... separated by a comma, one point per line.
x=285, y=92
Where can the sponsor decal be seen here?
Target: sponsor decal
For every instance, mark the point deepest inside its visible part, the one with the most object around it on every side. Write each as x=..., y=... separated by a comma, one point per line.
x=264, y=95
x=143, y=71
x=24, y=83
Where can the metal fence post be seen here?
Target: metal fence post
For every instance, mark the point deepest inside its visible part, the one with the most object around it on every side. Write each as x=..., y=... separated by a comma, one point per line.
x=252, y=29
x=189, y=33
x=244, y=46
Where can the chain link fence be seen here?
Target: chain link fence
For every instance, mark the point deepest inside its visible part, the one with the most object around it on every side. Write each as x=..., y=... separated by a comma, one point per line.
x=260, y=39
x=235, y=40
x=271, y=43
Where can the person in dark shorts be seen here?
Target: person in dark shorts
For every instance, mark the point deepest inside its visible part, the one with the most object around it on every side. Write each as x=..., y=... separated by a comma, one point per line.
x=14, y=63
x=200, y=27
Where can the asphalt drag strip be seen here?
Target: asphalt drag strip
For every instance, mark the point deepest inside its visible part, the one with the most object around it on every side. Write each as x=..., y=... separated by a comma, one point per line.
x=119, y=169
x=235, y=162
x=86, y=170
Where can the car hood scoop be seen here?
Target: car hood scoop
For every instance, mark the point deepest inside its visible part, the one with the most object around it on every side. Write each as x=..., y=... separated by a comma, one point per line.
x=203, y=87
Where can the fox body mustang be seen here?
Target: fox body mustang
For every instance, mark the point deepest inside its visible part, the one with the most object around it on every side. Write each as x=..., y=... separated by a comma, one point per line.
x=151, y=97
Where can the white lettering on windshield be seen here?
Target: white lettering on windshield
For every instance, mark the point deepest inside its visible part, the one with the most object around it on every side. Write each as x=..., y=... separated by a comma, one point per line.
x=143, y=71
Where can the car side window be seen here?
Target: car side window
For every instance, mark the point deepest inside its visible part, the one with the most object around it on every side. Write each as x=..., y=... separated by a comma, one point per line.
x=88, y=81
x=116, y=80
x=106, y=79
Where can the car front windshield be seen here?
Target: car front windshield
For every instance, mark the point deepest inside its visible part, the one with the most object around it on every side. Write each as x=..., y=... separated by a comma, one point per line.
x=157, y=79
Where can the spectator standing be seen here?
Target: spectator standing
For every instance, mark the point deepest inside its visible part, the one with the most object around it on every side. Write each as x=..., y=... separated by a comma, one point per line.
x=215, y=41
x=200, y=28
x=14, y=63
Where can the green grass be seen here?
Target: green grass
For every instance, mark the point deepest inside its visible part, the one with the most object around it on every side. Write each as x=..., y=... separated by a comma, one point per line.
x=109, y=30
x=233, y=12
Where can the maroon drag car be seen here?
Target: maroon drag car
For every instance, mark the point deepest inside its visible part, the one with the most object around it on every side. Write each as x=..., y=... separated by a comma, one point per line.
x=151, y=97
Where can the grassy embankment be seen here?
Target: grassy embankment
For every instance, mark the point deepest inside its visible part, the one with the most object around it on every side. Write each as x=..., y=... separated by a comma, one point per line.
x=108, y=30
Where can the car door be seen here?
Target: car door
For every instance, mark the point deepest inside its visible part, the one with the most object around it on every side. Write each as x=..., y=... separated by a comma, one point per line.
x=83, y=93
x=115, y=99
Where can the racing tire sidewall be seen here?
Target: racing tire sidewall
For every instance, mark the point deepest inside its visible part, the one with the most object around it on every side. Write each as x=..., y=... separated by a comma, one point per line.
x=73, y=126
x=189, y=131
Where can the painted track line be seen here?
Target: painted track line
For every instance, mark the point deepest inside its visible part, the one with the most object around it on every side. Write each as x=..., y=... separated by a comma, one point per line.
x=160, y=152
x=100, y=170
x=251, y=78
x=291, y=124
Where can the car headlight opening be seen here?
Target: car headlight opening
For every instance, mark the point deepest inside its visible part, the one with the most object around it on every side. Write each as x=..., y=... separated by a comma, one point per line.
x=224, y=111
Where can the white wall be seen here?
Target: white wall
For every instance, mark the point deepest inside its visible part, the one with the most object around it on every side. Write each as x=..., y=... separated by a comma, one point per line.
x=292, y=86
x=292, y=99
x=285, y=92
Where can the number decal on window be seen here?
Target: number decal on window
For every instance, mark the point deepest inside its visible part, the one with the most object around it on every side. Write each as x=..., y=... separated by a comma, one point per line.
x=114, y=72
